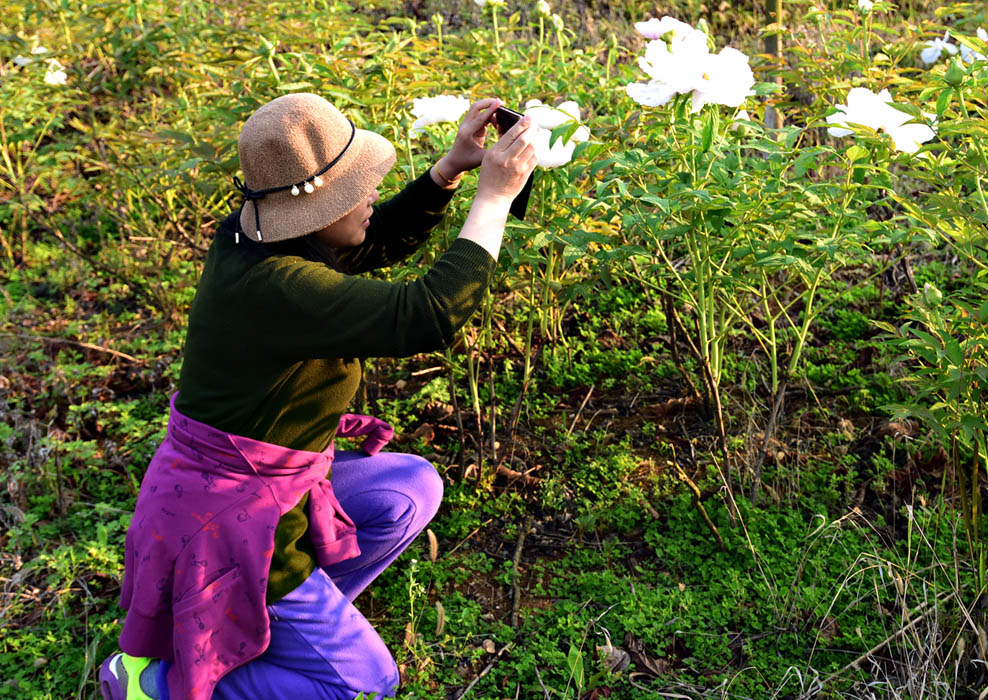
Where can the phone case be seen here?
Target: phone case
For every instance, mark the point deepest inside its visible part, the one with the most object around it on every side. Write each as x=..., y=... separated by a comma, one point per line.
x=520, y=203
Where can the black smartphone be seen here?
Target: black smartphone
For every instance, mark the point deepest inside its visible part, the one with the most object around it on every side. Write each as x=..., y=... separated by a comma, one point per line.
x=507, y=118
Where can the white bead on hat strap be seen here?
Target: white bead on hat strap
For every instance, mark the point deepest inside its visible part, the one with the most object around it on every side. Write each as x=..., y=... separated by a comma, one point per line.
x=309, y=184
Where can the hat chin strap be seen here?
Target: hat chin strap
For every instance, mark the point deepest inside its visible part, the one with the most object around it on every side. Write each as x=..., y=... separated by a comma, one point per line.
x=308, y=185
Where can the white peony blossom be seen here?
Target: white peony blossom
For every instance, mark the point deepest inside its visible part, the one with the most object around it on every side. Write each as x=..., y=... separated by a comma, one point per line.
x=435, y=110
x=875, y=111
x=934, y=49
x=21, y=60
x=656, y=28
x=726, y=80
x=654, y=93
x=685, y=65
x=545, y=119
x=866, y=6
x=970, y=55
x=679, y=64
x=55, y=75
x=542, y=8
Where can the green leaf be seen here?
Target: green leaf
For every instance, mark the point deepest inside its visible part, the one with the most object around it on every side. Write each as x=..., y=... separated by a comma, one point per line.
x=943, y=101
x=291, y=87
x=709, y=129
x=574, y=663
x=856, y=153
x=806, y=161
x=767, y=88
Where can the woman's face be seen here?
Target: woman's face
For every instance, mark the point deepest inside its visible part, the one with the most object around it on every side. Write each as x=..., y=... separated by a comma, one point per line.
x=350, y=230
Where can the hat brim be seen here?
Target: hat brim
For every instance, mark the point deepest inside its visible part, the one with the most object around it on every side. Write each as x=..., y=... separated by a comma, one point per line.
x=282, y=215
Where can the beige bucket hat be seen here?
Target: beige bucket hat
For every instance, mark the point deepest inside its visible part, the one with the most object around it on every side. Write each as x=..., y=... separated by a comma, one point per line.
x=305, y=165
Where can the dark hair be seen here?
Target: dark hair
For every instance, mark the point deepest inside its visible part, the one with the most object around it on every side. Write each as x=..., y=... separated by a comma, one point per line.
x=307, y=247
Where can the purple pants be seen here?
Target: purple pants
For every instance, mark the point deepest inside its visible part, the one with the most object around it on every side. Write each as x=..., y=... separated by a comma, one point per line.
x=322, y=647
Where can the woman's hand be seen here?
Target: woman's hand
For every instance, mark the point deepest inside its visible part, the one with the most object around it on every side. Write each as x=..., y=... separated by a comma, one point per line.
x=508, y=163
x=468, y=149
x=503, y=172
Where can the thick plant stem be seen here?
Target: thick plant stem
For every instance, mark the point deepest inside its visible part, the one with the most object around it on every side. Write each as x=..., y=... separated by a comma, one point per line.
x=473, y=376
x=698, y=504
x=674, y=346
x=457, y=413
x=488, y=312
x=722, y=434
x=780, y=393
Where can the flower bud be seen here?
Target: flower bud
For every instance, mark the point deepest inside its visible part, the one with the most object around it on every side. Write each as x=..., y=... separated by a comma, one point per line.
x=955, y=73
x=931, y=295
x=740, y=129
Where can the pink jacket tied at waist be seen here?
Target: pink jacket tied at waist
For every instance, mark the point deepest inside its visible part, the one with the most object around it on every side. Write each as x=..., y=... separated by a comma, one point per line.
x=199, y=548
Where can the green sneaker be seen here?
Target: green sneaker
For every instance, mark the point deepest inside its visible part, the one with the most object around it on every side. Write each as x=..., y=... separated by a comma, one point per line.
x=125, y=677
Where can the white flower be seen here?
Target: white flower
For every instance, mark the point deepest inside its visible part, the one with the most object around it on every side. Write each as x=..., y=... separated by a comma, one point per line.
x=654, y=93
x=39, y=50
x=726, y=80
x=55, y=75
x=435, y=110
x=21, y=61
x=557, y=22
x=687, y=66
x=874, y=111
x=656, y=28
x=547, y=118
x=492, y=3
x=542, y=8
x=863, y=107
x=678, y=64
x=684, y=64
x=970, y=55
x=931, y=54
x=866, y=6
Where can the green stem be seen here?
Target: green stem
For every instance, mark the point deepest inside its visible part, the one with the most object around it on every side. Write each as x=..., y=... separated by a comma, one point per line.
x=497, y=36
x=977, y=144
x=527, y=374
x=773, y=344
x=408, y=148
x=538, y=55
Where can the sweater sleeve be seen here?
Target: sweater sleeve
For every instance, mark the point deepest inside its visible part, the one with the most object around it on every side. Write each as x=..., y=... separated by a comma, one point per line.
x=306, y=310
x=399, y=226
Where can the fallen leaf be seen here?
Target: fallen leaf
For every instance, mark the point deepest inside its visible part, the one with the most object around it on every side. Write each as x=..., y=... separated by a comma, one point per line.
x=614, y=658
x=642, y=660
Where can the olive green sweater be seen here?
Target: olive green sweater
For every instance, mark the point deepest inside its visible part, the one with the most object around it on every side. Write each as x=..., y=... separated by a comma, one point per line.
x=273, y=343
